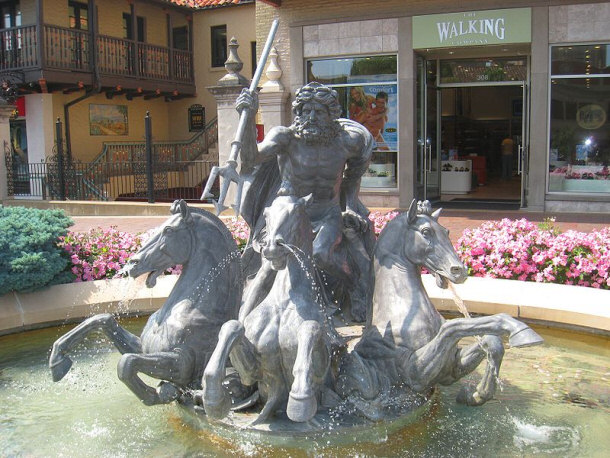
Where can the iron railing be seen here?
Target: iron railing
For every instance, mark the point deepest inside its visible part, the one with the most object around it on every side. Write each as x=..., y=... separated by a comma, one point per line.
x=108, y=181
x=196, y=148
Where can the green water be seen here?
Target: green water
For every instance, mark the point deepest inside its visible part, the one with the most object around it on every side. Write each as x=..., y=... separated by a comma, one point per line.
x=555, y=402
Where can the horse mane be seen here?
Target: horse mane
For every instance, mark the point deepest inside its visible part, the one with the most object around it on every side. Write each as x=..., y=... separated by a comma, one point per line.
x=216, y=222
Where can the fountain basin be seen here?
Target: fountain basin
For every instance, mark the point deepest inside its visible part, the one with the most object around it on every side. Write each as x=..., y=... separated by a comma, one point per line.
x=574, y=307
x=555, y=400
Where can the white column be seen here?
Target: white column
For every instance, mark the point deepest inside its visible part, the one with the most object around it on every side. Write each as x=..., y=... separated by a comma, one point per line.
x=40, y=126
x=5, y=137
x=272, y=97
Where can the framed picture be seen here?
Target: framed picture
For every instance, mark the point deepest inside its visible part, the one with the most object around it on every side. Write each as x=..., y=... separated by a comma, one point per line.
x=108, y=119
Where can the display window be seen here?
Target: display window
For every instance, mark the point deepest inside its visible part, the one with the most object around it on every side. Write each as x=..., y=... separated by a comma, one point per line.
x=579, y=143
x=368, y=92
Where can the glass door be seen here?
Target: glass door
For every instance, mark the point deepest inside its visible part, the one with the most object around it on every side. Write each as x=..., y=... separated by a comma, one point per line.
x=428, y=157
x=523, y=148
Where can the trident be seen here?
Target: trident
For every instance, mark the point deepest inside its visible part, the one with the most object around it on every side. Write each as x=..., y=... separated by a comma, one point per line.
x=229, y=171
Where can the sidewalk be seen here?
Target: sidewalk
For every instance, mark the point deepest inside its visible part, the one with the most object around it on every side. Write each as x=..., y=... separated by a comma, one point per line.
x=456, y=220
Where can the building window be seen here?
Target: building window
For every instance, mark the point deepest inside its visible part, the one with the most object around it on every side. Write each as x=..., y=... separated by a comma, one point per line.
x=128, y=31
x=368, y=93
x=579, y=143
x=219, y=45
x=78, y=14
x=180, y=38
x=11, y=14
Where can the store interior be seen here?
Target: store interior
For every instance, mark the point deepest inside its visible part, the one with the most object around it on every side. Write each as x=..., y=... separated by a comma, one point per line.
x=478, y=123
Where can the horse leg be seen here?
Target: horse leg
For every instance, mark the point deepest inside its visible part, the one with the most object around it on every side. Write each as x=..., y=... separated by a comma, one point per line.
x=126, y=342
x=302, y=401
x=257, y=289
x=216, y=401
x=277, y=392
x=175, y=366
x=426, y=365
x=468, y=359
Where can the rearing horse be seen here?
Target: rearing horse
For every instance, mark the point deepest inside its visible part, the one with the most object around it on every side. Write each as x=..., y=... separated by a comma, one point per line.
x=406, y=342
x=178, y=339
x=283, y=343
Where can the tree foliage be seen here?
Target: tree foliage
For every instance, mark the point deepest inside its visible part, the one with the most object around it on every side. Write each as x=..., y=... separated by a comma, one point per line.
x=30, y=257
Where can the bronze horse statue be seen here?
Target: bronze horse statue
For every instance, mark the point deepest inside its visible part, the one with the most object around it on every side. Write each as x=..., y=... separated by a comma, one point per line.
x=406, y=342
x=179, y=338
x=283, y=343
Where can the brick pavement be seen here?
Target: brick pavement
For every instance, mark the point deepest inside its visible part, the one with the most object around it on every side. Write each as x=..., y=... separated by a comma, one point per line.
x=456, y=220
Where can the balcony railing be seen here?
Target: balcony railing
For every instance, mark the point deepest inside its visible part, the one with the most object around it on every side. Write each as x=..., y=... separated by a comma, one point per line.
x=70, y=49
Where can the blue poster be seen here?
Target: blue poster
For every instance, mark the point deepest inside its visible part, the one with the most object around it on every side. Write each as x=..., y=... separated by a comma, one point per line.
x=375, y=107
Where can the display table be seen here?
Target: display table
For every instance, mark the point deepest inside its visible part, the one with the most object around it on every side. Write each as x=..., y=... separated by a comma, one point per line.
x=456, y=177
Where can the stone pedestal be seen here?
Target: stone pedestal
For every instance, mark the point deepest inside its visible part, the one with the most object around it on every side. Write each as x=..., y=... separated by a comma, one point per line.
x=273, y=96
x=225, y=93
x=271, y=108
x=5, y=140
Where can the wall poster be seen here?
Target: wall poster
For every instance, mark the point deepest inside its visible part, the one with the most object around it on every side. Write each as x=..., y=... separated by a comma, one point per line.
x=375, y=107
x=108, y=119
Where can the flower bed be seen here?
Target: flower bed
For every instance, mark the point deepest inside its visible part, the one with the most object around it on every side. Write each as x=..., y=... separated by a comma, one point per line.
x=522, y=250
x=519, y=250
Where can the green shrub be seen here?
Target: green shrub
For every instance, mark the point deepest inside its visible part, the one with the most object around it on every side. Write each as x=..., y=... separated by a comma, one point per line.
x=30, y=257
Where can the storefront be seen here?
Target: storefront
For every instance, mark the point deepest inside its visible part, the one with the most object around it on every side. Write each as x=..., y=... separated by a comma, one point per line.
x=501, y=105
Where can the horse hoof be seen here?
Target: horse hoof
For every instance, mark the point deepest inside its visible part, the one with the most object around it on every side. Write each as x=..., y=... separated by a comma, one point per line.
x=525, y=337
x=301, y=408
x=168, y=392
x=469, y=398
x=217, y=408
x=60, y=368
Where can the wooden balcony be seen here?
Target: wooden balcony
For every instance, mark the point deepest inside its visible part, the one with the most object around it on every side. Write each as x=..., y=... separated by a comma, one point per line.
x=68, y=56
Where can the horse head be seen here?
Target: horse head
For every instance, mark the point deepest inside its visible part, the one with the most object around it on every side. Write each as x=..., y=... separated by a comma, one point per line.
x=170, y=245
x=427, y=244
x=287, y=225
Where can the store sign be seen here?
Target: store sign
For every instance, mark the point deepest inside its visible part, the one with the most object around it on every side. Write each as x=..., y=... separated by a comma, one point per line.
x=591, y=116
x=472, y=28
x=196, y=118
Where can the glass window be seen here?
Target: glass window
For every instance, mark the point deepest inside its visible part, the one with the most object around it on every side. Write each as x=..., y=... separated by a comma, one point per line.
x=579, y=148
x=483, y=70
x=127, y=30
x=180, y=38
x=219, y=45
x=580, y=60
x=78, y=15
x=350, y=70
x=368, y=92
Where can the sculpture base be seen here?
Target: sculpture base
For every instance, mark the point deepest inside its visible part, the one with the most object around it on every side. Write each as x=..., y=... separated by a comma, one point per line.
x=338, y=426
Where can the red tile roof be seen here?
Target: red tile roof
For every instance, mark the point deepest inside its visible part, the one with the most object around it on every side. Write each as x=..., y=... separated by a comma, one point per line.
x=207, y=3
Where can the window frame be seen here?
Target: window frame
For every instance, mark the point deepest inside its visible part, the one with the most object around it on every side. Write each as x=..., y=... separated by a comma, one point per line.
x=78, y=7
x=592, y=195
x=217, y=40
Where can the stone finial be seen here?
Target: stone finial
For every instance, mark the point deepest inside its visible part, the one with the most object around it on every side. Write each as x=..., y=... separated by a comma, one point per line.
x=233, y=65
x=273, y=74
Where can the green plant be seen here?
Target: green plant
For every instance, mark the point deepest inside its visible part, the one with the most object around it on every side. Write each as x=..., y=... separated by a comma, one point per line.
x=30, y=257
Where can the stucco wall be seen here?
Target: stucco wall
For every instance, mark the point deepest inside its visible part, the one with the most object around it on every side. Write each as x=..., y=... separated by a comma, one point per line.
x=241, y=24
x=86, y=147
x=55, y=12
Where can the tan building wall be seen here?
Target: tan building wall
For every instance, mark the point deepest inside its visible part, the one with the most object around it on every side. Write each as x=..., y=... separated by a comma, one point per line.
x=86, y=147
x=241, y=24
x=55, y=12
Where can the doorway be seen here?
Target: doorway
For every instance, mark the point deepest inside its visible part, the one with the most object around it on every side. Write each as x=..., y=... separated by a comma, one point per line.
x=480, y=134
x=472, y=130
